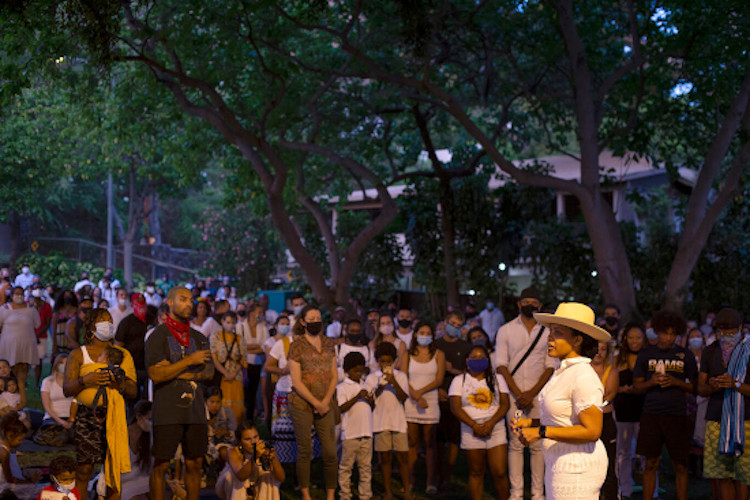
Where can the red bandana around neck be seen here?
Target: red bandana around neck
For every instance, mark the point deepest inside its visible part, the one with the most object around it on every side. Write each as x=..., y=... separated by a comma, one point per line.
x=180, y=331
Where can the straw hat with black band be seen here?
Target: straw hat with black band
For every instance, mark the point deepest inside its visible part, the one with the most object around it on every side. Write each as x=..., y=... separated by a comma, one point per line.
x=577, y=316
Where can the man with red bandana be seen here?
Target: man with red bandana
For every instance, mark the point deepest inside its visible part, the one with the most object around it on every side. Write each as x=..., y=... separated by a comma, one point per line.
x=178, y=358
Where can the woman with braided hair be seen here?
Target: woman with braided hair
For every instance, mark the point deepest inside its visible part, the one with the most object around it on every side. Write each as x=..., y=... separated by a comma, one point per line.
x=100, y=425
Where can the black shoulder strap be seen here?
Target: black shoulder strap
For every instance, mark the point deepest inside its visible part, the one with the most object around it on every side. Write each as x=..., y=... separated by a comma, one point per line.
x=528, y=352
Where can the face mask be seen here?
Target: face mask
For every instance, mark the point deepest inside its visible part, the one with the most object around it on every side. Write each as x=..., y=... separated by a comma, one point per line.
x=424, y=341
x=490, y=306
x=36, y=293
x=611, y=321
x=122, y=302
x=105, y=331
x=241, y=314
x=404, y=323
x=477, y=365
x=64, y=488
x=386, y=329
x=18, y=299
x=353, y=339
x=229, y=327
x=481, y=341
x=315, y=327
x=298, y=310
x=651, y=334
x=528, y=310
x=146, y=425
x=284, y=329
x=25, y=270
x=61, y=368
x=729, y=340
x=695, y=342
x=451, y=330
x=149, y=289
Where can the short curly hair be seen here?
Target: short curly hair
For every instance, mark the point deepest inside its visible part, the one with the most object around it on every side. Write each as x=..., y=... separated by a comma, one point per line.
x=62, y=463
x=665, y=319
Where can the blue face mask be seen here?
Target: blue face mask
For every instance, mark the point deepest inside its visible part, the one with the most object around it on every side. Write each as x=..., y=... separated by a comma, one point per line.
x=452, y=330
x=284, y=329
x=651, y=334
x=424, y=341
x=695, y=342
x=477, y=365
x=490, y=306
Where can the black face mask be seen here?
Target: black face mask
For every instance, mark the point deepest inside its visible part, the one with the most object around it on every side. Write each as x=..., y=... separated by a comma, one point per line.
x=315, y=327
x=404, y=323
x=241, y=314
x=353, y=338
x=611, y=321
x=529, y=310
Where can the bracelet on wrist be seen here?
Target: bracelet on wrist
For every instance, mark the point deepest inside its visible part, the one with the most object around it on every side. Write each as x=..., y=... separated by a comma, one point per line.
x=542, y=431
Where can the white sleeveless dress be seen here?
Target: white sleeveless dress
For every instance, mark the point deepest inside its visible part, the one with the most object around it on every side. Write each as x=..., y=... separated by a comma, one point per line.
x=421, y=375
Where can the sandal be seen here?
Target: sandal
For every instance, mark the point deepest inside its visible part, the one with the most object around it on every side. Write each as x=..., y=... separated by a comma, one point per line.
x=431, y=490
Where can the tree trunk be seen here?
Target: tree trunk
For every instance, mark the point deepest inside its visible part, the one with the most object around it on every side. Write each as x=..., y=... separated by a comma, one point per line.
x=153, y=219
x=613, y=267
x=14, y=221
x=449, y=242
x=127, y=262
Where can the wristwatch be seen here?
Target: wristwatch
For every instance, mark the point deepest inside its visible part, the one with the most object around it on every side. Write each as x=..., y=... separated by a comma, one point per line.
x=737, y=385
x=542, y=431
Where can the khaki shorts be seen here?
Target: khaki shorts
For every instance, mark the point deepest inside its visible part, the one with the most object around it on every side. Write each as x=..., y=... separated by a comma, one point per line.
x=718, y=466
x=391, y=441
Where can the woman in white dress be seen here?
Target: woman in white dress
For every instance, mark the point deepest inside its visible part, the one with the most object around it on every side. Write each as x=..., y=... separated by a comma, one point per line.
x=425, y=367
x=575, y=461
x=18, y=321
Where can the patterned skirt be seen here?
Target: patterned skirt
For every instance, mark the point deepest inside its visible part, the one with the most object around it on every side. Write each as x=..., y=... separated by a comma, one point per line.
x=233, y=397
x=282, y=431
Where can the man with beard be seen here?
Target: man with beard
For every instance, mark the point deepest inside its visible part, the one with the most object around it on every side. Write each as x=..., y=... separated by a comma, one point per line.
x=178, y=359
x=521, y=358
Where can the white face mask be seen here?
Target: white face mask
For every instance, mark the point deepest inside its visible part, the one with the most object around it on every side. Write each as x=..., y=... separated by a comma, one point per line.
x=18, y=299
x=146, y=425
x=25, y=270
x=65, y=487
x=122, y=302
x=386, y=329
x=36, y=292
x=228, y=326
x=61, y=367
x=105, y=331
x=149, y=289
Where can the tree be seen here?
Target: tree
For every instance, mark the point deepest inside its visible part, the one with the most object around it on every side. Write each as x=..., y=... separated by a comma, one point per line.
x=467, y=59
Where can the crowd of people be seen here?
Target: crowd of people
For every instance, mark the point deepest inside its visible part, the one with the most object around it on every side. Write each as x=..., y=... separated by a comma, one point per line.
x=170, y=388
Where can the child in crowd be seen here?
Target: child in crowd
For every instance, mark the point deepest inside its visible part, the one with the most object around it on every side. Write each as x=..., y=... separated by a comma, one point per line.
x=221, y=428
x=355, y=403
x=354, y=341
x=12, y=477
x=389, y=420
x=62, y=471
x=11, y=394
x=111, y=356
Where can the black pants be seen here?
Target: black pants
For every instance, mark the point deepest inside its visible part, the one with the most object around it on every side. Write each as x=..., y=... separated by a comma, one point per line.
x=609, y=438
x=251, y=390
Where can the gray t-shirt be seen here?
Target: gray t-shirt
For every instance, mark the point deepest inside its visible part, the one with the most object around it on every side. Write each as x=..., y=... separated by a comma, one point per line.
x=176, y=401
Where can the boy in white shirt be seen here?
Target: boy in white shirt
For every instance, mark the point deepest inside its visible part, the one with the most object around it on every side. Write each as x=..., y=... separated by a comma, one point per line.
x=355, y=403
x=389, y=420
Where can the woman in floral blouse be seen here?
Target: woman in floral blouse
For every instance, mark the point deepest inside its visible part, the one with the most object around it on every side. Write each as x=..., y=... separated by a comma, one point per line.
x=229, y=353
x=479, y=399
x=312, y=363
